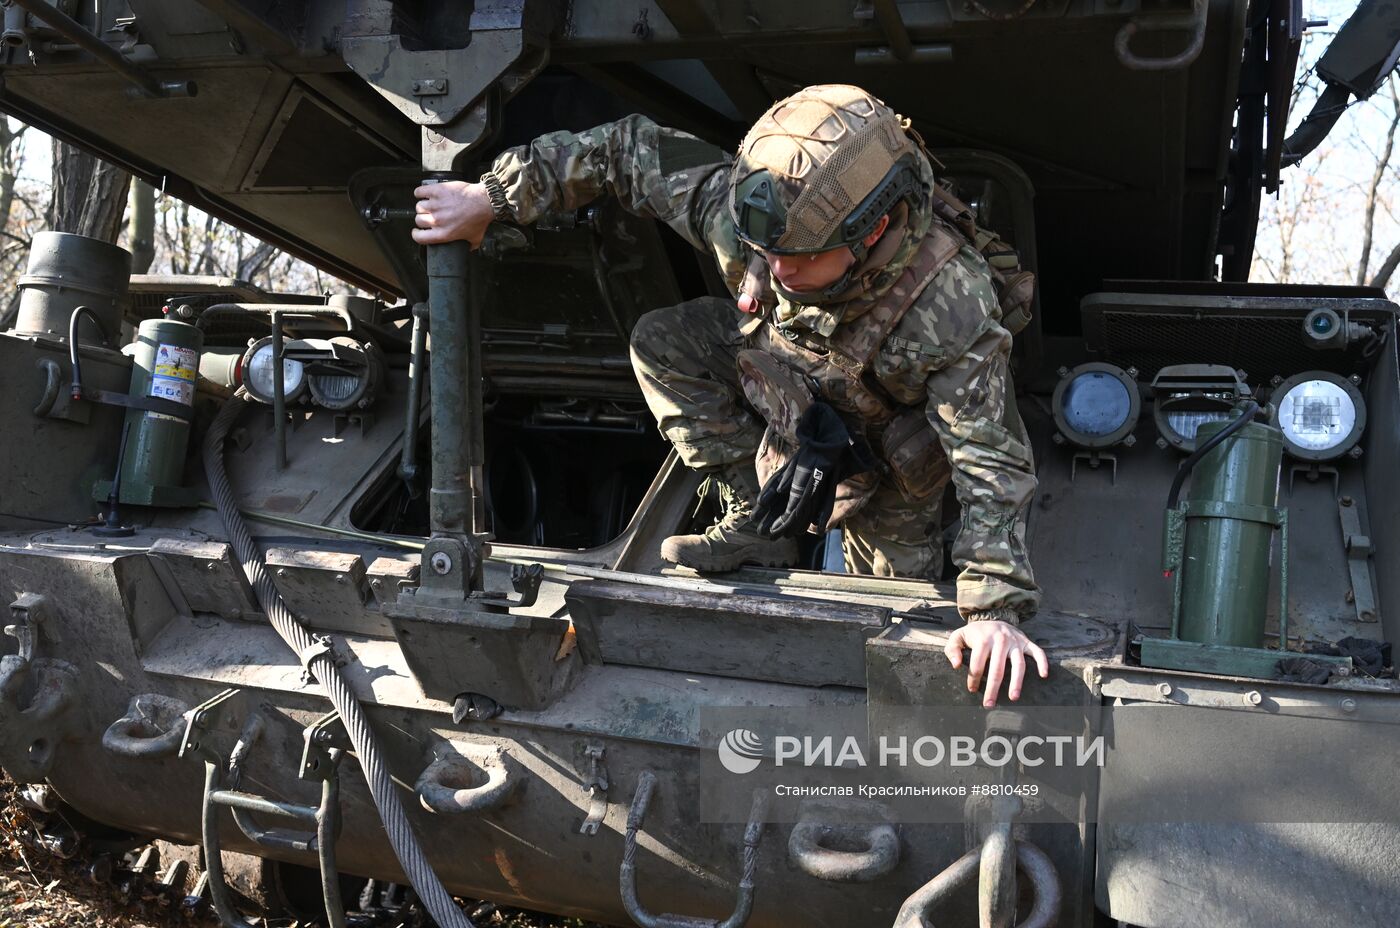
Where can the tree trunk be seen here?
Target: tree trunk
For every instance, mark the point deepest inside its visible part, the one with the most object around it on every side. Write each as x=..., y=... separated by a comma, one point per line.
x=89, y=195
x=10, y=145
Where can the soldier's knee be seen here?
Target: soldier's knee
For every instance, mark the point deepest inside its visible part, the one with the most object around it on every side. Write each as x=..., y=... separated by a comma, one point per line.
x=650, y=332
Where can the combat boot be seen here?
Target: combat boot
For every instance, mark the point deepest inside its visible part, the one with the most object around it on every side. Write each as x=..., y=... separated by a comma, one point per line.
x=734, y=539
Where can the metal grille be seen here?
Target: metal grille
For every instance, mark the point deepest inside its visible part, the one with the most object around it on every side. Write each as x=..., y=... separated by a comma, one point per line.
x=1263, y=346
x=336, y=387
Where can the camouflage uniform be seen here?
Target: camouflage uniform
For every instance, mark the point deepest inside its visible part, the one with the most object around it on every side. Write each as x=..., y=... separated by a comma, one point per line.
x=948, y=354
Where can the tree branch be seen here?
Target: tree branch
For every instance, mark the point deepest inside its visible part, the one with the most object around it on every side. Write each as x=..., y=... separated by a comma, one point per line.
x=1387, y=268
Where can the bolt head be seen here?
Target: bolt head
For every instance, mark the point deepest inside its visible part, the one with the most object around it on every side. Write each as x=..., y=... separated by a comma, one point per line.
x=1348, y=704
x=1254, y=697
x=440, y=563
x=1129, y=441
x=1164, y=688
x=281, y=571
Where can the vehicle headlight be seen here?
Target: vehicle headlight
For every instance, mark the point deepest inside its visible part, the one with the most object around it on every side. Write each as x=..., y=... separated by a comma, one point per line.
x=258, y=373
x=1096, y=405
x=1321, y=415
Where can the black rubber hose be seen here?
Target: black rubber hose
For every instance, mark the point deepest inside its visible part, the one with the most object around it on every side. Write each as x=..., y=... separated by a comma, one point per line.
x=1247, y=412
x=78, y=313
x=316, y=656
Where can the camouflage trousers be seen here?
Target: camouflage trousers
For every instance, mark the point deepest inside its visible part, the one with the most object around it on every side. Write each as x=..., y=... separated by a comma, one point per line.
x=685, y=360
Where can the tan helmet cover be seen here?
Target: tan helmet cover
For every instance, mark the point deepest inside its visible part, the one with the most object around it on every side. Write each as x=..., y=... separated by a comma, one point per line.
x=827, y=147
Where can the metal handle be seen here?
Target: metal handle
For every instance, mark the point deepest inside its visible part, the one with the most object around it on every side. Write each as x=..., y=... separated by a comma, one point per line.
x=809, y=851
x=1194, y=21
x=153, y=726
x=1030, y=860
x=627, y=876
x=52, y=375
x=443, y=786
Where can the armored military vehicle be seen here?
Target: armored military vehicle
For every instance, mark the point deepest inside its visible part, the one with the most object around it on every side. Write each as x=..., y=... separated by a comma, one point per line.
x=395, y=611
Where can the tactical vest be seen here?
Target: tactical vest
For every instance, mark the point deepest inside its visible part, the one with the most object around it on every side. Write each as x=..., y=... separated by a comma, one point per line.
x=783, y=372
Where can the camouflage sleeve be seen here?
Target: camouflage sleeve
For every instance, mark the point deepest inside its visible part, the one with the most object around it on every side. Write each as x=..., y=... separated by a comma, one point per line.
x=659, y=173
x=993, y=473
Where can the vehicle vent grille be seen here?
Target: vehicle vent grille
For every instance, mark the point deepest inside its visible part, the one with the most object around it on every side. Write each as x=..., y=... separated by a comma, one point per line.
x=1264, y=343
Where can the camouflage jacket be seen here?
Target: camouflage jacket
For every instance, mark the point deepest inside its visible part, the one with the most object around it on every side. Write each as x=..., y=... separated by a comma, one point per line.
x=949, y=352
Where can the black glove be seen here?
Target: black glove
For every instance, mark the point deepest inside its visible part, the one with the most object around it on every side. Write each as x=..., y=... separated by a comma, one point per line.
x=804, y=491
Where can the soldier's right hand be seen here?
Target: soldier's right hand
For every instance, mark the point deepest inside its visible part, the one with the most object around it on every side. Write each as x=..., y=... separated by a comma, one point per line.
x=452, y=211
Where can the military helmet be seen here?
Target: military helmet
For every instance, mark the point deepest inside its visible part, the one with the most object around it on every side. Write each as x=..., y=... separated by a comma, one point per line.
x=819, y=169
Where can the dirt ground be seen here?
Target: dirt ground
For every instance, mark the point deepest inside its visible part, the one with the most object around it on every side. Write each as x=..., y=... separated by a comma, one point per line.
x=41, y=890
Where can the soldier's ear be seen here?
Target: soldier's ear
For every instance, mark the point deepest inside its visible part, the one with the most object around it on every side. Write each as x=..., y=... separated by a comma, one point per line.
x=878, y=231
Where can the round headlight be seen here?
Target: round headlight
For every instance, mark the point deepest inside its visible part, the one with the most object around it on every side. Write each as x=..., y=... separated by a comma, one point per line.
x=258, y=373
x=1321, y=415
x=1096, y=405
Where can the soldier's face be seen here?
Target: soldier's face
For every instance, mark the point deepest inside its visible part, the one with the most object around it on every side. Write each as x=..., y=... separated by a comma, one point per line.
x=819, y=270
x=815, y=271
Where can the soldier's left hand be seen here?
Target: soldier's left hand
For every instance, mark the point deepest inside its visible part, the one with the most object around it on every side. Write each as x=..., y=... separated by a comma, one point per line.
x=995, y=646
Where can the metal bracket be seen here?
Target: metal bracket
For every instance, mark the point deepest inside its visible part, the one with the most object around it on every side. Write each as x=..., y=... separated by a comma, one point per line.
x=1311, y=472
x=1358, y=550
x=30, y=611
x=145, y=403
x=525, y=578
x=325, y=742
x=1094, y=459
x=223, y=713
x=596, y=786
x=457, y=92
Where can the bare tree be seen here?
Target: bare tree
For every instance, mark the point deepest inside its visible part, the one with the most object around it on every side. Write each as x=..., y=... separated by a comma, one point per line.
x=1373, y=190
x=86, y=196
x=1290, y=219
x=15, y=243
x=1387, y=268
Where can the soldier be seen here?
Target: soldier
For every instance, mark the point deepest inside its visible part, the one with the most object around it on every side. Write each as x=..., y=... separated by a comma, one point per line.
x=861, y=312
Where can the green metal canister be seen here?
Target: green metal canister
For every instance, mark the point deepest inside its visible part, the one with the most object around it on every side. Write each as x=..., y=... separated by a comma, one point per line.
x=165, y=365
x=1230, y=516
